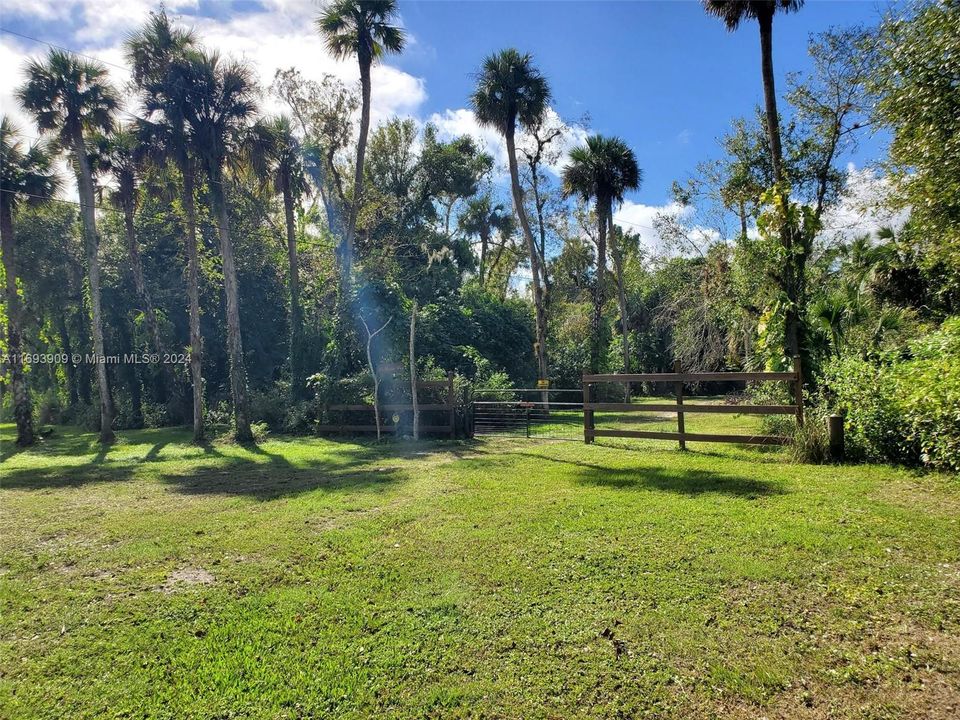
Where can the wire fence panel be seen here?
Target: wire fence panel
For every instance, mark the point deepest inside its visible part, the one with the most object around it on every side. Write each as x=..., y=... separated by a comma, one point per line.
x=554, y=414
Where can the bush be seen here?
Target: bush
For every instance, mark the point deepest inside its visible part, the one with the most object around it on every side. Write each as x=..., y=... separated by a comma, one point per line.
x=82, y=415
x=929, y=396
x=773, y=393
x=270, y=406
x=300, y=418
x=50, y=408
x=903, y=409
x=156, y=415
x=219, y=413
x=865, y=393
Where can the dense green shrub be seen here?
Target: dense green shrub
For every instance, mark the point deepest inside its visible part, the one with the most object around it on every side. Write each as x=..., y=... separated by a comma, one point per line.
x=929, y=396
x=270, y=406
x=49, y=407
x=864, y=392
x=156, y=415
x=903, y=408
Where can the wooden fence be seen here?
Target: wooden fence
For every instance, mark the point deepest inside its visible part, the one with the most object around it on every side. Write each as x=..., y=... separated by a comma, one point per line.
x=387, y=410
x=679, y=378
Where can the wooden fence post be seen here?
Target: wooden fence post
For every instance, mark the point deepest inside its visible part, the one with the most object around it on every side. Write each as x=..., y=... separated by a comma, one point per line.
x=451, y=405
x=678, y=388
x=835, y=426
x=798, y=389
x=587, y=414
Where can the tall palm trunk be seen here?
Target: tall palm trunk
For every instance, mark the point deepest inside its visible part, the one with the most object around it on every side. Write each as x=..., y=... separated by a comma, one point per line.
x=617, y=252
x=365, y=93
x=484, y=241
x=765, y=21
x=793, y=270
x=297, y=379
x=541, y=315
x=599, y=287
x=22, y=411
x=541, y=229
x=92, y=245
x=238, y=373
x=143, y=293
x=193, y=297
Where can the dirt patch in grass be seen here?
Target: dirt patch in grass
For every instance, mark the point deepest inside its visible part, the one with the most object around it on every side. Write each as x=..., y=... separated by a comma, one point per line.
x=186, y=577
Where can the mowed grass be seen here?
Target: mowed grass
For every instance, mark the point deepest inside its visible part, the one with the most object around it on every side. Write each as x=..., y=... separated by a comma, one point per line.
x=312, y=578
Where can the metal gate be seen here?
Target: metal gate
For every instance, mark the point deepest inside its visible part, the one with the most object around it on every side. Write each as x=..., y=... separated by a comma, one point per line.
x=555, y=414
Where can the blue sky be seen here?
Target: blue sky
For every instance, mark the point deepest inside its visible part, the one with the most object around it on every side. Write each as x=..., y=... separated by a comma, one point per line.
x=663, y=75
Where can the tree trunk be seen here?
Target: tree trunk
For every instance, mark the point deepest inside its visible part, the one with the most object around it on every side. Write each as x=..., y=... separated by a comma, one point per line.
x=541, y=315
x=22, y=410
x=617, y=253
x=84, y=375
x=373, y=369
x=596, y=345
x=92, y=245
x=143, y=295
x=238, y=373
x=298, y=381
x=484, y=240
x=128, y=371
x=69, y=368
x=193, y=296
x=347, y=250
x=541, y=228
x=765, y=20
x=413, y=373
x=792, y=273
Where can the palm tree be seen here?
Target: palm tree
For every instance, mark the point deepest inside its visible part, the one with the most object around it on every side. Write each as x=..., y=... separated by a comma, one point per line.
x=221, y=105
x=362, y=28
x=603, y=169
x=276, y=155
x=25, y=176
x=480, y=219
x=511, y=92
x=71, y=97
x=733, y=13
x=152, y=53
x=121, y=154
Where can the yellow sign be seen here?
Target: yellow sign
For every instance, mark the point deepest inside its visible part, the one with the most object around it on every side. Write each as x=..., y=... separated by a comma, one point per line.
x=543, y=383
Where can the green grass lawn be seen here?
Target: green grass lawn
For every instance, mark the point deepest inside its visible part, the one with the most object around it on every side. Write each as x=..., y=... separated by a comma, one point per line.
x=311, y=578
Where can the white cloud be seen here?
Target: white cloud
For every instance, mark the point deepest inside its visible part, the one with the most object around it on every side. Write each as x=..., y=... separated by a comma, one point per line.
x=463, y=121
x=640, y=218
x=863, y=207
x=12, y=59
x=283, y=36
x=279, y=36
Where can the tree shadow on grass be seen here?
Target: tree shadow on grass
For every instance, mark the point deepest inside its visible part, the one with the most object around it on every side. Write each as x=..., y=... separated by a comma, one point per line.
x=691, y=481
x=271, y=481
x=250, y=469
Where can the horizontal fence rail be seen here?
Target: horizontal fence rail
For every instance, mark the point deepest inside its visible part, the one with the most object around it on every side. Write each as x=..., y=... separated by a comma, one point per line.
x=679, y=378
x=668, y=407
x=448, y=408
x=692, y=377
